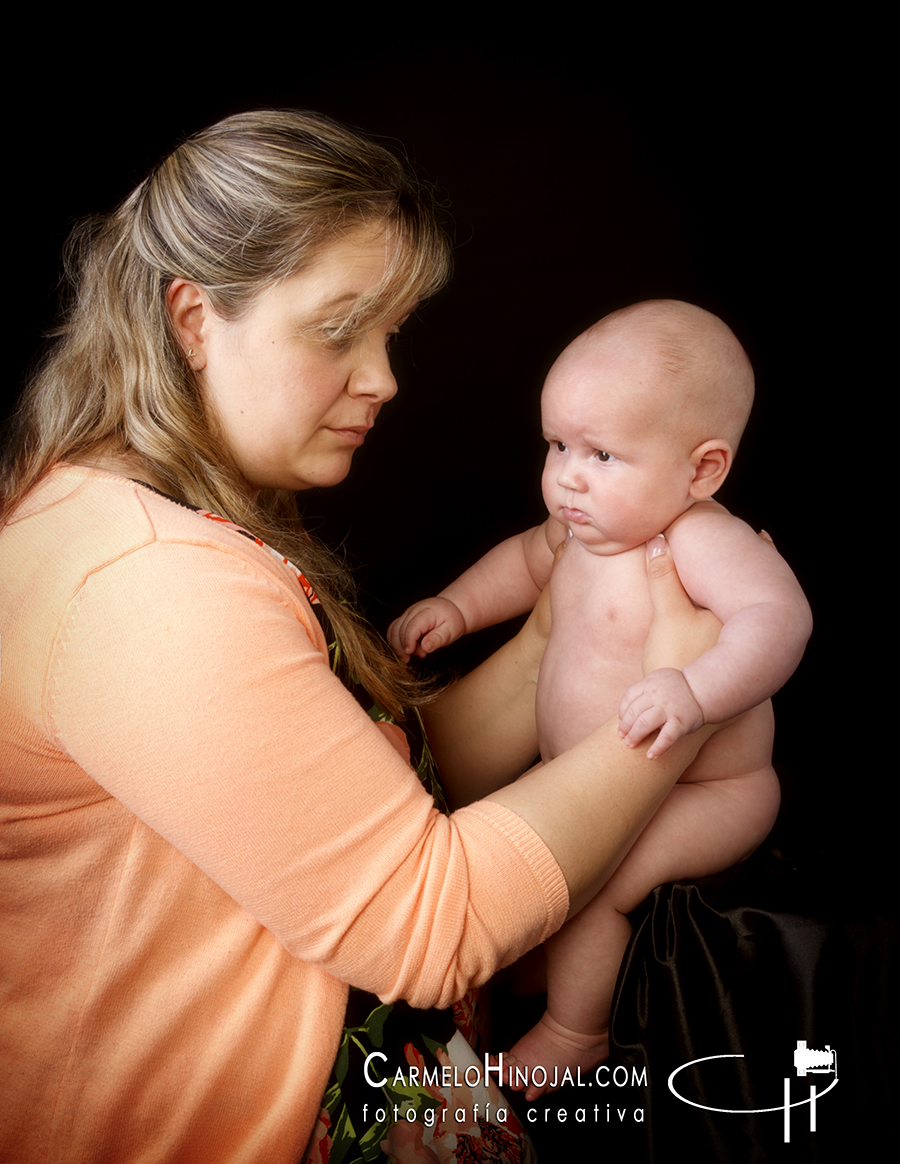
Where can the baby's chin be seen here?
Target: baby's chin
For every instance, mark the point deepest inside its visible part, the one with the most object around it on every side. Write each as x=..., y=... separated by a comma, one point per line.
x=597, y=542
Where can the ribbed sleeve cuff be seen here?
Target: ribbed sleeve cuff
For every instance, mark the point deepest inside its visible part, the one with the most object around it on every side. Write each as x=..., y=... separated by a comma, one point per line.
x=534, y=853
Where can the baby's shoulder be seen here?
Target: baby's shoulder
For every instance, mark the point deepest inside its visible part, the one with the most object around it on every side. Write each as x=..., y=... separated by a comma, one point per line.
x=706, y=521
x=720, y=559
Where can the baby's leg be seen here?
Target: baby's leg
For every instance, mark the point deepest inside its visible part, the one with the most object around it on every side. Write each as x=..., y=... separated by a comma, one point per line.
x=700, y=828
x=582, y=959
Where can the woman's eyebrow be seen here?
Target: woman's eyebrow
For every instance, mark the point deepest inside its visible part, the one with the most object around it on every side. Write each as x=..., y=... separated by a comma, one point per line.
x=324, y=309
x=345, y=298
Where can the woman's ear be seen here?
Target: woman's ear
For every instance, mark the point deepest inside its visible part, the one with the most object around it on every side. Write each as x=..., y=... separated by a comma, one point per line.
x=711, y=463
x=189, y=309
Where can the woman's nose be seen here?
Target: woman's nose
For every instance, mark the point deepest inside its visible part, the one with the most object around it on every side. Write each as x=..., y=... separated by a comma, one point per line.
x=373, y=376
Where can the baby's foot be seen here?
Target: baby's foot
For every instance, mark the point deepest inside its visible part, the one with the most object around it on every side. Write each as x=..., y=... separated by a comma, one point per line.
x=551, y=1048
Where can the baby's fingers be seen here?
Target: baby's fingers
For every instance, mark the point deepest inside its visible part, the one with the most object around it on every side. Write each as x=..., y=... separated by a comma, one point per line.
x=635, y=705
x=671, y=732
x=394, y=636
x=632, y=703
x=441, y=636
x=404, y=633
x=420, y=634
x=640, y=723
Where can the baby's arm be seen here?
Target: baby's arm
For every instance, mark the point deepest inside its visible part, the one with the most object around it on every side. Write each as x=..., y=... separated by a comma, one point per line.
x=767, y=622
x=507, y=581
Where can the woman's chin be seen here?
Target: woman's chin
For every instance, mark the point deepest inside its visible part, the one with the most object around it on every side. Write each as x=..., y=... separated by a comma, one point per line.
x=324, y=476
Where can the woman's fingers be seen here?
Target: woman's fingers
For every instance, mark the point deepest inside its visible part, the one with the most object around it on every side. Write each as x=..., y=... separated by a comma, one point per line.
x=666, y=592
x=680, y=631
x=540, y=616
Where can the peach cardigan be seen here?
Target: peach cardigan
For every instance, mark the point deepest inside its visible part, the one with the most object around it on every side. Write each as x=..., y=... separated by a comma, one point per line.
x=203, y=839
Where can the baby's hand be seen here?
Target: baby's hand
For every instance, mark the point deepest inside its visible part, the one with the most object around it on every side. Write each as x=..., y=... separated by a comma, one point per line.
x=661, y=699
x=426, y=626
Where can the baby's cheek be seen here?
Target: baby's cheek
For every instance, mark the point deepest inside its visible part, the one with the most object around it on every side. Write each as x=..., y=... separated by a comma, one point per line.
x=549, y=490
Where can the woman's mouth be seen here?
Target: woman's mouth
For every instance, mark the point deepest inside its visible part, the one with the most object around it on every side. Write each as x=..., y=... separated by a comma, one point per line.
x=352, y=436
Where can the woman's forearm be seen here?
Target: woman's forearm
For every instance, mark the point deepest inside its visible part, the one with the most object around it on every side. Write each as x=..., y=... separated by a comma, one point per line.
x=482, y=729
x=590, y=804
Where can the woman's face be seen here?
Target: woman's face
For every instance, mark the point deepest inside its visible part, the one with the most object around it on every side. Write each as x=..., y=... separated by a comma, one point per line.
x=295, y=409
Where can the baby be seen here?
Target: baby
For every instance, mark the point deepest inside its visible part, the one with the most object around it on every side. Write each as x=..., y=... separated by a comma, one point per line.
x=642, y=414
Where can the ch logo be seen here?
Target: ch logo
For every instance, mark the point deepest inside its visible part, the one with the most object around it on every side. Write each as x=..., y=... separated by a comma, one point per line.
x=807, y=1061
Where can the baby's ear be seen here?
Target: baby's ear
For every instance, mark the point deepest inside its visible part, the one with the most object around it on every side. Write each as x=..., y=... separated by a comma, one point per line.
x=711, y=463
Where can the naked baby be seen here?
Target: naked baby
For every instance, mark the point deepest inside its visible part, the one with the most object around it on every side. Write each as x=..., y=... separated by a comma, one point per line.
x=642, y=415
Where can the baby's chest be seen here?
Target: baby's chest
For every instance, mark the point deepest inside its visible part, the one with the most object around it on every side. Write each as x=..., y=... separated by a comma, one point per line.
x=601, y=606
x=601, y=616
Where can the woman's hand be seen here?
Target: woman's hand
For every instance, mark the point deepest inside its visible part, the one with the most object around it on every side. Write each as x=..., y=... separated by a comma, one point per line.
x=536, y=631
x=680, y=632
x=482, y=729
x=663, y=701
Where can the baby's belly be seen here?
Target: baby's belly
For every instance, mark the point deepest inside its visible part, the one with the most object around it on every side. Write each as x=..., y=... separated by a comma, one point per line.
x=572, y=701
x=576, y=694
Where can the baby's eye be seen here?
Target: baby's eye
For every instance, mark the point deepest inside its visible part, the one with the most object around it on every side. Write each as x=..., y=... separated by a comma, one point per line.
x=560, y=447
x=604, y=457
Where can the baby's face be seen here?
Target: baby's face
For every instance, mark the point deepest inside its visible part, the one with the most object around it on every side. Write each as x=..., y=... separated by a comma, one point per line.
x=616, y=474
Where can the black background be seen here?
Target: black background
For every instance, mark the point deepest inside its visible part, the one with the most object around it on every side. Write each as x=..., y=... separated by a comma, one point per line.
x=574, y=182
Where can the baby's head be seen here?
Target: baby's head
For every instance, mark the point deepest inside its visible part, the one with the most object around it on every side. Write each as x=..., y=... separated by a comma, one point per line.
x=643, y=413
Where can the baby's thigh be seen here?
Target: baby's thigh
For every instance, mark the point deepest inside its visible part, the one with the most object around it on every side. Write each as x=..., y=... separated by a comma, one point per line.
x=700, y=828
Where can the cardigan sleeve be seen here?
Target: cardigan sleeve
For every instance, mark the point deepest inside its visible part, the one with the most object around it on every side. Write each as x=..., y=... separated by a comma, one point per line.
x=190, y=683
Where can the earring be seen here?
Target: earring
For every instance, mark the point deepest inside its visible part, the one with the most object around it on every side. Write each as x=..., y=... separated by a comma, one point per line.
x=190, y=353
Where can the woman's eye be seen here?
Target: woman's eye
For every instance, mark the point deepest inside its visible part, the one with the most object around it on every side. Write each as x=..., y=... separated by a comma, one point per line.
x=338, y=342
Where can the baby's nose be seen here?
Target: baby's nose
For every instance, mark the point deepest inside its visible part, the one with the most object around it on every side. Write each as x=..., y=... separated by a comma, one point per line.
x=570, y=478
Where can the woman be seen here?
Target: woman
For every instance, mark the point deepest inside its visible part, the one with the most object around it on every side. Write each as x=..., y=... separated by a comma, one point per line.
x=206, y=837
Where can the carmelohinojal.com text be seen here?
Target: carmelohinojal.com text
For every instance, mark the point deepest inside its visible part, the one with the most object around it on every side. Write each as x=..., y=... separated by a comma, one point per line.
x=472, y=1076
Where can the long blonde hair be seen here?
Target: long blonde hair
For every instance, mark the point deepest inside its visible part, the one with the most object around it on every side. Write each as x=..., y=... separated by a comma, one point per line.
x=235, y=208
